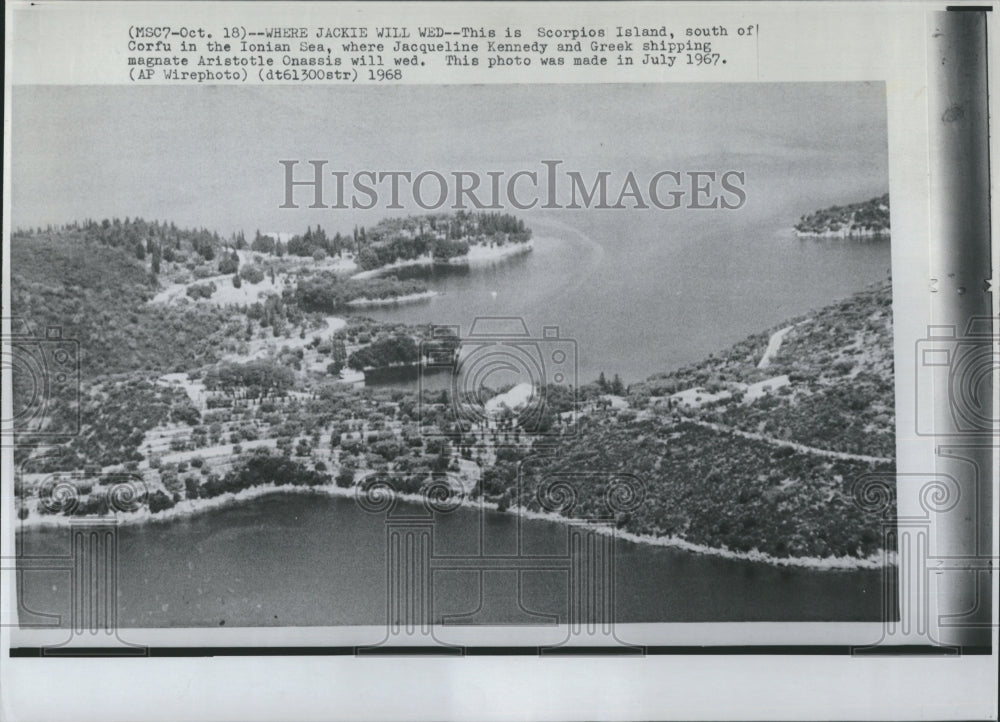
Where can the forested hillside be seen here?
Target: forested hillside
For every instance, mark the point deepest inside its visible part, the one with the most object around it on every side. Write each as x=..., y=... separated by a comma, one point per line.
x=757, y=447
x=98, y=294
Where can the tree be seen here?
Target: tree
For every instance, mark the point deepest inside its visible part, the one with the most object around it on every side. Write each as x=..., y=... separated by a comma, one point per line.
x=252, y=274
x=229, y=263
x=257, y=379
x=160, y=501
x=385, y=352
x=192, y=487
x=262, y=244
x=345, y=477
x=444, y=249
x=368, y=259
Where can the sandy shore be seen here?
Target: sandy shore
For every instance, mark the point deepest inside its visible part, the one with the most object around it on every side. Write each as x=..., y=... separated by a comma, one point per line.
x=391, y=301
x=843, y=233
x=485, y=254
x=425, y=260
x=477, y=255
x=190, y=507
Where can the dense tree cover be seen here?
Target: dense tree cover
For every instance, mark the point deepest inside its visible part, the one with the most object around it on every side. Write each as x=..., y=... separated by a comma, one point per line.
x=254, y=379
x=327, y=293
x=440, y=341
x=263, y=243
x=115, y=415
x=137, y=236
x=476, y=226
x=870, y=216
x=229, y=263
x=398, y=248
x=262, y=468
x=384, y=352
x=712, y=488
x=256, y=469
x=65, y=282
x=442, y=236
x=445, y=249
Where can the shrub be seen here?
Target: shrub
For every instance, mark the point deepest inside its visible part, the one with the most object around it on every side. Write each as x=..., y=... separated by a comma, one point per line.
x=203, y=271
x=345, y=477
x=201, y=290
x=185, y=413
x=160, y=501
x=229, y=264
x=192, y=487
x=252, y=274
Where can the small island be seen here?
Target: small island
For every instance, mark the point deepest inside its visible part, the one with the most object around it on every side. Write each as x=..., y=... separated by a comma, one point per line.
x=869, y=219
x=439, y=239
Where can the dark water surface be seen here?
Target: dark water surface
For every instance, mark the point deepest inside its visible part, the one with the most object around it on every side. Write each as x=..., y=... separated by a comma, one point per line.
x=317, y=560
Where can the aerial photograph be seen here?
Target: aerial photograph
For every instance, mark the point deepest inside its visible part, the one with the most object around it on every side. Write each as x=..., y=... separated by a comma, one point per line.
x=480, y=355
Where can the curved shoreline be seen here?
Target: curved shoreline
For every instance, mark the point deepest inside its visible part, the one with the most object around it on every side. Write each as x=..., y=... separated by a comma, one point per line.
x=392, y=300
x=191, y=507
x=844, y=234
x=477, y=255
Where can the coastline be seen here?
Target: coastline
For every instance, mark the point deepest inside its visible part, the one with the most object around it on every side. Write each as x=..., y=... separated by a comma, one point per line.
x=392, y=301
x=843, y=234
x=191, y=507
x=478, y=254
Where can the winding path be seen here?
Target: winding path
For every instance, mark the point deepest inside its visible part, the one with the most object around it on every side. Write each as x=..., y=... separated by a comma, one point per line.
x=722, y=428
x=773, y=344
